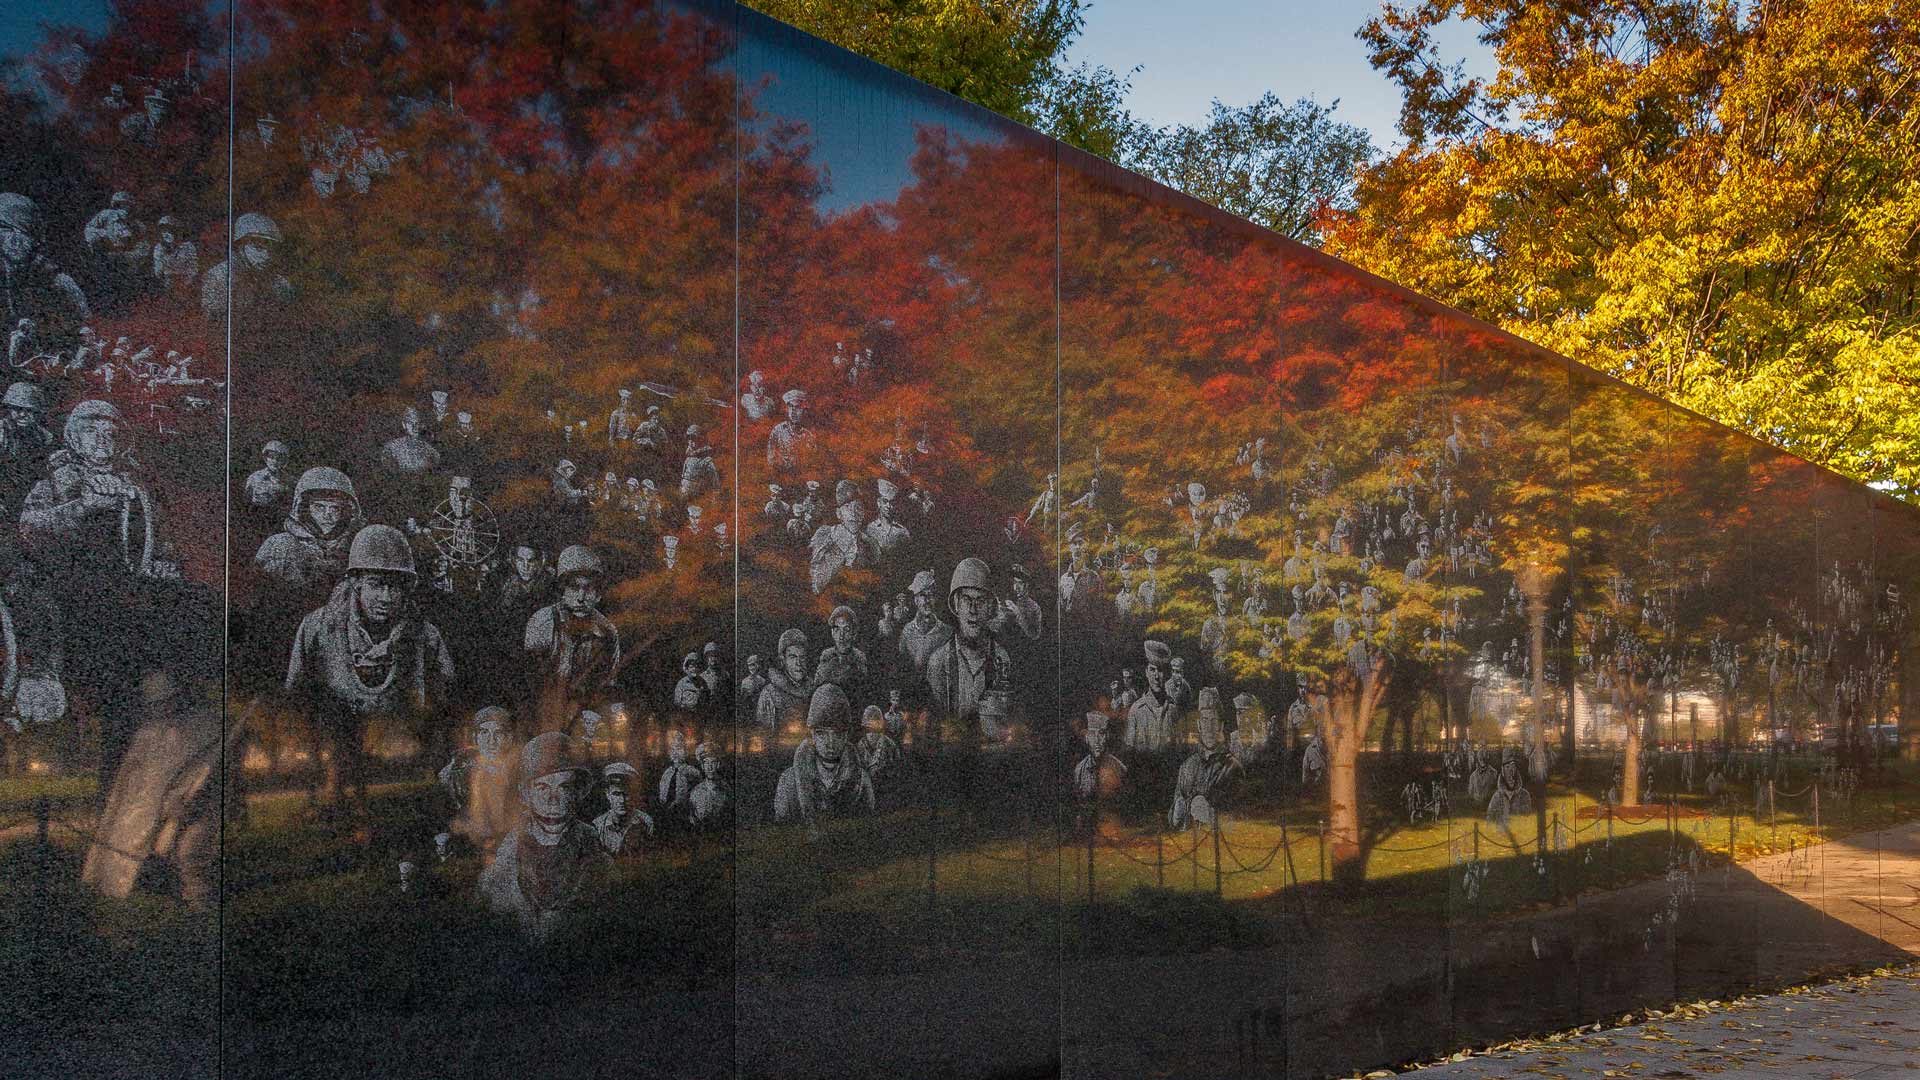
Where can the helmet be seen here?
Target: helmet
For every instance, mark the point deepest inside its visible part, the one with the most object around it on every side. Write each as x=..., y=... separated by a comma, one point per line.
x=25, y=396
x=577, y=559
x=970, y=574
x=87, y=410
x=20, y=212
x=321, y=478
x=274, y=446
x=380, y=547
x=829, y=707
x=255, y=224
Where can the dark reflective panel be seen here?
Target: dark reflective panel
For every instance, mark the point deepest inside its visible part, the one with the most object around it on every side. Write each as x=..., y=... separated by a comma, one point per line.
x=1625, y=635
x=1250, y=447
x=482, y=285
x=112, y=192
x=1500, y=687
x=899, y=774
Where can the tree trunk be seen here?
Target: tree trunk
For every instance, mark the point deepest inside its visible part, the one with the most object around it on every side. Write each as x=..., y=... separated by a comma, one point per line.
x=1630, y=778
x=1350, y=712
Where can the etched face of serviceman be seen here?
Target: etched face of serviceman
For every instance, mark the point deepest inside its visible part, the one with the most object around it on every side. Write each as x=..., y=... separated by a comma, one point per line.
x=580, y=594
x=381, y=592
x=794, y=659
x=551, y=798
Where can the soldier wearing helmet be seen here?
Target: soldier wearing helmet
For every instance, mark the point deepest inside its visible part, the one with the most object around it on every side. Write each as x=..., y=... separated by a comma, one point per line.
x=250, y=276
x=553, y=860
x=24, y=441
x=827, y=777
x=366, y=655
x=576, y=647
x=77, y=512
x=31, y=285
x=176, y=261
x=311, y=548
x=970, y=673
x=268, y=484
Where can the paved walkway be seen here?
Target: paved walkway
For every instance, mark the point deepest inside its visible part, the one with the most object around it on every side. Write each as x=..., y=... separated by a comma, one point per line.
x=1860, y=1027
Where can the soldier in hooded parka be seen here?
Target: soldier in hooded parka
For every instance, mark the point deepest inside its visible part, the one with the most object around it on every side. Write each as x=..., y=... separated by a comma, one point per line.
x=311, y=547
x=827, y=777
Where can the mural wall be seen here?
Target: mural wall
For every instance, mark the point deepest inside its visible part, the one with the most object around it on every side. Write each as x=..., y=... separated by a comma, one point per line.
x=615, y=538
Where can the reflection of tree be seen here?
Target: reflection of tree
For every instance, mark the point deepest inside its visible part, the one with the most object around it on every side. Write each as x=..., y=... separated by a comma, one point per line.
x=1622, y=623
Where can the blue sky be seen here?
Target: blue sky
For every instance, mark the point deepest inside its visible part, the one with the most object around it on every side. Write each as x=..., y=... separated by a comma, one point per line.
x=1235, y=50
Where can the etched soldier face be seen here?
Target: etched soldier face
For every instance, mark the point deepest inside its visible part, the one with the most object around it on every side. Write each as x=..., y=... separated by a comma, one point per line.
x=971, y=607
x=1209, y=727
x=410, y=423
x=704, y=755
x=842, y=631
x=893, y=699
x=1156, y=678
x=25, y=418
x=273, y=458
x=677, y=747
x=381, y=593
x=796, y=413
x=1097, y=740
x=1019, y=588
x=490, y=737
x=1077, y=551
x=579, y=595
x=525, y=562
x=852, y=514
x=256, y=251
x=794, y=659
x=328, y=512
x=96, y=438
x=551, y=798
x=755, y=665
x=830, y=741
x=16, y=244
x=590, y=725
x=617, y=800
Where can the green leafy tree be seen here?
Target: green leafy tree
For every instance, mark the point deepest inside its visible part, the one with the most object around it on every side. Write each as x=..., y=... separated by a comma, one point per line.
x=1278, y=165
x=1714, y=201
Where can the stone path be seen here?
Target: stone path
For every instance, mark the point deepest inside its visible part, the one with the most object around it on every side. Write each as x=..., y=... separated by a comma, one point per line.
x=1866, y=1027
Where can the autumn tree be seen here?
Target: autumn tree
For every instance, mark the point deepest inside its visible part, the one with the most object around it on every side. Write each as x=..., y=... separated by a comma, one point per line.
x=1714, y=201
